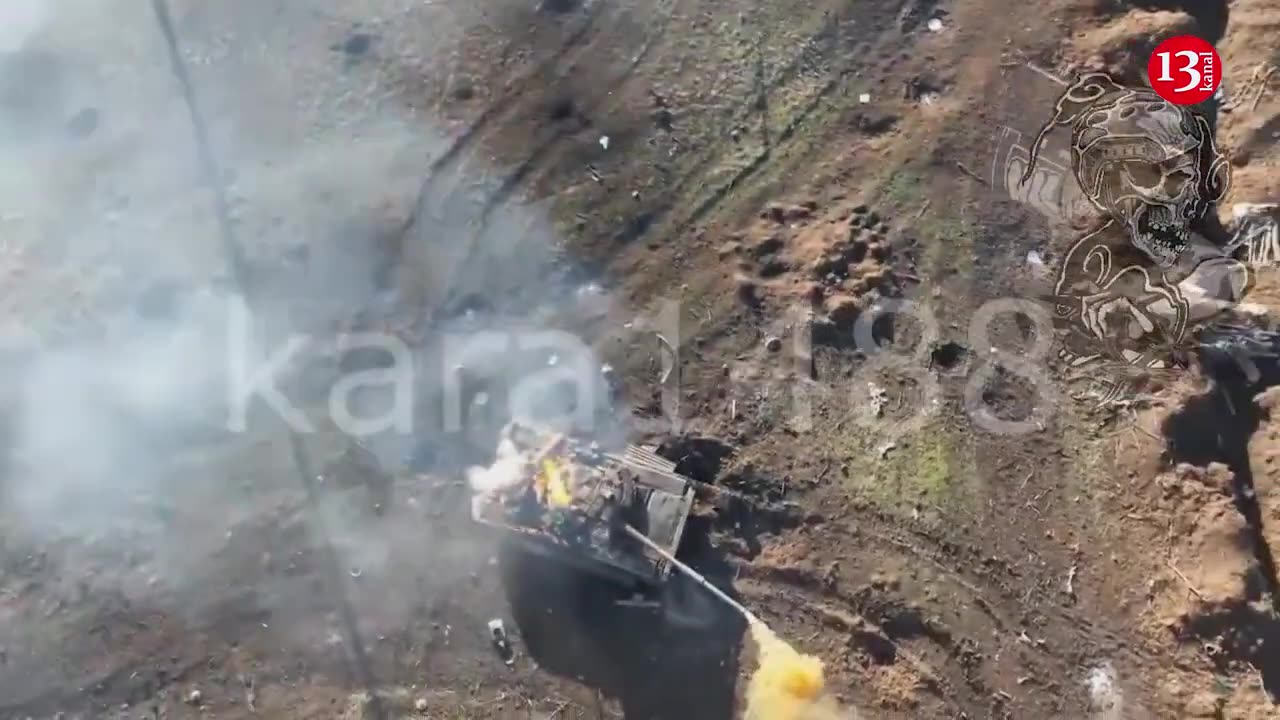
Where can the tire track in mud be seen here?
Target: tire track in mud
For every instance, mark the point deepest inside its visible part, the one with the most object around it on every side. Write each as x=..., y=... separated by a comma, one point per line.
x=504, y=106
x=519, y=88
x=788, y=73
x=960, y=678
x=890, y=536
x=874, y=631
x=829, y=42
x=512, y=107
x=547, y=147
x=443, y=184
x=544, y=149
x=882, y=647
x=802, y=59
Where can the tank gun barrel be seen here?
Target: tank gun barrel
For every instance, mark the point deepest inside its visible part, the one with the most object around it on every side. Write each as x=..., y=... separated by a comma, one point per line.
x=692, y=574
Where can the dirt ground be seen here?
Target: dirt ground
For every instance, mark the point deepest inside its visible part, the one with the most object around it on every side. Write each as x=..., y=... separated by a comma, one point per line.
x=746, y=179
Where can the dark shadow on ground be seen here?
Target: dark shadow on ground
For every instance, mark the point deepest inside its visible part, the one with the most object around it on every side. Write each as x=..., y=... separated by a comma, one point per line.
x=1217, y=427
x=672, y=662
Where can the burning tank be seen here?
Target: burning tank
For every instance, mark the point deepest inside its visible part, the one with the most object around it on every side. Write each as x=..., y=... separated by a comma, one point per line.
x=555, y=495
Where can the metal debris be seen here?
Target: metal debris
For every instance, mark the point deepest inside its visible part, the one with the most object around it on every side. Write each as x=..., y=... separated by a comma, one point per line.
x=498, y=633
x=671, y=353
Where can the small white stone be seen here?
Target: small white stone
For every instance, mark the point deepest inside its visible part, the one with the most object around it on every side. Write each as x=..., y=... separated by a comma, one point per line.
x=864, y=98
x=604, y=141
x=935, y=24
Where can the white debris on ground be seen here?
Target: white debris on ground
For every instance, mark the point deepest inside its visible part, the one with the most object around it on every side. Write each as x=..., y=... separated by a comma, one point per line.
x=1257, y=227
x=935, y=24
x=1105, y=699
x=879, y=398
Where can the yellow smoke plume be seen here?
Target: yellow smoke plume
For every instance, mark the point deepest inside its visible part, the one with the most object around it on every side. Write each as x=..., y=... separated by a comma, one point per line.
x=787, y=685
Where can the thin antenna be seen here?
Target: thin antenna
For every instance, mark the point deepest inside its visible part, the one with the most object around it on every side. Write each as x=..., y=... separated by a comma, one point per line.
x=204, y=152
x=240, y=276
x=1041, y=71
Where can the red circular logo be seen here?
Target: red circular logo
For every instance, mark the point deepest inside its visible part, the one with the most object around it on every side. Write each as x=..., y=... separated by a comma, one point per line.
x=1185, y=70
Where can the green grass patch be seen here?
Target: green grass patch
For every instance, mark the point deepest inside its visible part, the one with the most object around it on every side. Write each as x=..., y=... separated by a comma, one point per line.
x=903, y=189
x=931, y=466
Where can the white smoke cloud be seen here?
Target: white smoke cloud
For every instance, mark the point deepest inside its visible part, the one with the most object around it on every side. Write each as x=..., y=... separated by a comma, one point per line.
x=19, y=20
x=116, y=430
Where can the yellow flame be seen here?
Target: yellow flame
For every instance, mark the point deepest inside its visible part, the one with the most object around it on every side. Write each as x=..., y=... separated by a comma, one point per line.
x=557, y=490
x=787, y=685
